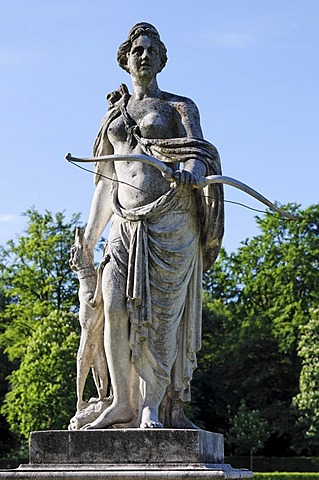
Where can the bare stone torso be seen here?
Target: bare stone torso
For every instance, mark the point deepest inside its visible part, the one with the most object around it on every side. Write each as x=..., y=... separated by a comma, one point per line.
x=156, y=118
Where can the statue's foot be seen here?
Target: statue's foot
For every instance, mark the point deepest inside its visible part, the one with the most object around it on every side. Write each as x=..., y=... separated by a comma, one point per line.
x=150, y=419
x=112, y=415
x=151, y=424
x=179, y=420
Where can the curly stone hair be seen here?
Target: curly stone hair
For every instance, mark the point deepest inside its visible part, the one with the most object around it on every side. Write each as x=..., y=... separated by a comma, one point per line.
x=139, y=29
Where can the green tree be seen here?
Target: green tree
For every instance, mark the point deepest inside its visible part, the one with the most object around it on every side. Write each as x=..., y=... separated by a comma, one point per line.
x=38, y=323
x=248, y=432
x=211, y=391
x=307, y=400
x=267, y=289
x=42, y=396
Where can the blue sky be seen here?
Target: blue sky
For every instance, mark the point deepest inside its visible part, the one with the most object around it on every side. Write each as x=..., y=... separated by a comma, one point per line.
x=250, y=66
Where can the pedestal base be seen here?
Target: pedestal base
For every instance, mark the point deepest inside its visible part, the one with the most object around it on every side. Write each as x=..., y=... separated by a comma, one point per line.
x=129, y=454
x=125, y=472
x=131, y=446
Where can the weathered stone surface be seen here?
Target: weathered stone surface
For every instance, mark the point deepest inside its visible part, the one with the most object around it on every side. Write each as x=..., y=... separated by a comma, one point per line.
x=123, y=446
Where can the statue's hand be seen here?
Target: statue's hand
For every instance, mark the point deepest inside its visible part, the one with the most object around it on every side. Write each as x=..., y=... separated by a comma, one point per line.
x=186, y=178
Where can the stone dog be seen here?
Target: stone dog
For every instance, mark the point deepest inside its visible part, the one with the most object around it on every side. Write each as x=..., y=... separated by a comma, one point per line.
x=91, y=353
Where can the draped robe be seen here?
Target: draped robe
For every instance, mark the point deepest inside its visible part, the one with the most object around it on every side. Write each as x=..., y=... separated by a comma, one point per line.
x=157, y=253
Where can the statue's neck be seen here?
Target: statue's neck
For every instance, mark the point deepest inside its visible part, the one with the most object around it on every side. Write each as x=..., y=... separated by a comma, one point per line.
x=145, y=88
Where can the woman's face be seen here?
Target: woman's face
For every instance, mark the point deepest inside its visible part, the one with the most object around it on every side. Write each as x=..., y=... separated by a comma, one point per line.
x=143, y=60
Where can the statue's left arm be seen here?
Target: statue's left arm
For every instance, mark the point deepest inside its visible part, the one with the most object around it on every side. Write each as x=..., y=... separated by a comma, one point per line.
x=189, y=126
x=205, y=162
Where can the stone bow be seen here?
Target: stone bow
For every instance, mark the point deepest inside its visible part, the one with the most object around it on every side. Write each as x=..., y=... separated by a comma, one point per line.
x=167, y=173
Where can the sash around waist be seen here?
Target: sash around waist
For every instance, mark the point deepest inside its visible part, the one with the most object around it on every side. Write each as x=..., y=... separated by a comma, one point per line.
x=175, y=200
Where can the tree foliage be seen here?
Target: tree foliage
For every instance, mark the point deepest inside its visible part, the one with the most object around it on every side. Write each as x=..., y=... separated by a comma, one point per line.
x=257, y=301
x=248, y=432
x=307, y=400
x=39, y=331
x=42, y=388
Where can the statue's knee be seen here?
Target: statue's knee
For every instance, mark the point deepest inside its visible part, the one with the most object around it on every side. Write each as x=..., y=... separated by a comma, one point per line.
x=114, y=305
x=114, y=313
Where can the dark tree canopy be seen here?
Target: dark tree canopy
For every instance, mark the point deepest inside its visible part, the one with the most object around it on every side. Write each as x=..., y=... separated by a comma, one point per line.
x=256, y=309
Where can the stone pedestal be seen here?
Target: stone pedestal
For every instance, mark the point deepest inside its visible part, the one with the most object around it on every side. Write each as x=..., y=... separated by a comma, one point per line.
x=125, y=455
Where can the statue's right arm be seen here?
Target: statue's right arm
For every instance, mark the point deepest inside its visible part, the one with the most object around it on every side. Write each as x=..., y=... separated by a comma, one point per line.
x=100, y=212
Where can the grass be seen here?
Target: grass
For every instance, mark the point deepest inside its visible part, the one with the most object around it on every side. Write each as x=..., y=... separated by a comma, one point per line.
x=287, y=476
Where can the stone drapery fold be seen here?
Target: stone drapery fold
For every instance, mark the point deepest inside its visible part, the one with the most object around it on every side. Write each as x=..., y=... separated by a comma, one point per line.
x=161, y=275
x=159, y=251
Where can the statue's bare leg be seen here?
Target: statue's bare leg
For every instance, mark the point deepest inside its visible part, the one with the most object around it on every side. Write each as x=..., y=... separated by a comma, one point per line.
x=118, y=353
x=163, y=346
x=156, y=384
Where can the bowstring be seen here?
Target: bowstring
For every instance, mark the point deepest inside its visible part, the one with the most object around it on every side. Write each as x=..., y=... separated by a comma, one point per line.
x=105, y=176
x=144, y=191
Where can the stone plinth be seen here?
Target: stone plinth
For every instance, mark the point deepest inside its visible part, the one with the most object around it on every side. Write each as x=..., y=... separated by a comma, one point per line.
x=126, y=446
x=129, y=454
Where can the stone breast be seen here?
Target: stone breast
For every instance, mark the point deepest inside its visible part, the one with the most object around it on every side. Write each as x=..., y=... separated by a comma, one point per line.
x=116, y=131
x=152, y=125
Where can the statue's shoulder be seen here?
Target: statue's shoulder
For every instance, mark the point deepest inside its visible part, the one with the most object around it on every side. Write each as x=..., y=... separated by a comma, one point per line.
x=181, y=103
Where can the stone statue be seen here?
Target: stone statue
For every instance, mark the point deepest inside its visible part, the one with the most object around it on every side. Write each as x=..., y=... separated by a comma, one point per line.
x=91, y=353
x=145, y=299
